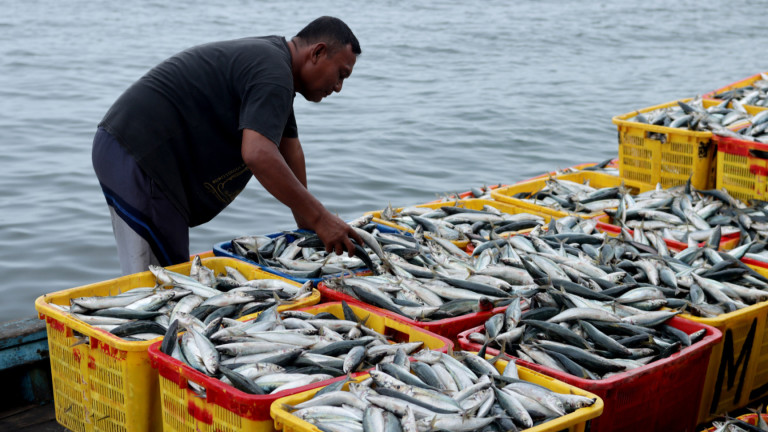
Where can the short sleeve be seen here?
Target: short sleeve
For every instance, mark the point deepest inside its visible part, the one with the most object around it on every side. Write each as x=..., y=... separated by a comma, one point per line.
x=268, y=110
x=291, y=130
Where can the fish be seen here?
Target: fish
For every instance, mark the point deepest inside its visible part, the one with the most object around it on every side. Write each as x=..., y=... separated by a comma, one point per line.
x=144, y=313
x=755, y=94
x=725, y=117
x=487, y=398
x=274, y=353
x=301, y=255
x=457, y=223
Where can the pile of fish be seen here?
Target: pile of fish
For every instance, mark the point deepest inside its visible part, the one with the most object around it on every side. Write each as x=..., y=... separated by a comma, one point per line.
x=482, y=192
x=573, y=197
x=753, y=94
x=145, y=313
x=457, y=223
x=587, y=339
x=687, y=215
x=742, y=423
x=719, y=119
x=438, y=280
x=276, y=352
x=301, y=254
x=437, y=392
x=636, y=275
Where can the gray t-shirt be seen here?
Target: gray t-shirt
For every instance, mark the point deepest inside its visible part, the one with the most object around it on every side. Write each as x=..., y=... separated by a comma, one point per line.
x=183, y=120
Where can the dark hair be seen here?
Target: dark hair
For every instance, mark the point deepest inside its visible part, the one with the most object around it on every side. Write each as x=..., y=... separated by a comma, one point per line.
x=332, y=31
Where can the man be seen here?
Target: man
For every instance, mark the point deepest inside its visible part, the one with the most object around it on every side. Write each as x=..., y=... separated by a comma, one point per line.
x=182, y=142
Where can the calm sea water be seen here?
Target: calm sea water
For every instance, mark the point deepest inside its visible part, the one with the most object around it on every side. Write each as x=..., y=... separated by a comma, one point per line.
x=444, y=98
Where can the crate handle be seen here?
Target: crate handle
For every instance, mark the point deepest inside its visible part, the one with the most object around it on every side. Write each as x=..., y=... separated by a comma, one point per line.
x=760, y=154
x=657, y=136
x=396, y=335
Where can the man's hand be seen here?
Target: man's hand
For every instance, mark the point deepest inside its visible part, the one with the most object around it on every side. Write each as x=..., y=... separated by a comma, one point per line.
x=281, y=172
x=335, y=234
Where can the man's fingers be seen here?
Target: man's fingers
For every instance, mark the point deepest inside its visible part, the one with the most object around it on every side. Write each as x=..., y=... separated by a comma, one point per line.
x=357, y=238
x=350, y=246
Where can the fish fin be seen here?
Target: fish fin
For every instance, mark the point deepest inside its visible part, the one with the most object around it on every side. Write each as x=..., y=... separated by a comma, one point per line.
x=364, y=320
x=758, y=410
x=496, y=358
x=278, y=301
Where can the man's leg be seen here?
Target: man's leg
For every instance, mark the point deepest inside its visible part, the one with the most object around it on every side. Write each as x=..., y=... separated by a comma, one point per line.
x=134, y=252
x=148, y=228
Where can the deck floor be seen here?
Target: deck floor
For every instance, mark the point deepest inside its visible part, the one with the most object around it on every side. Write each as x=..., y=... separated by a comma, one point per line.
x=31, y=418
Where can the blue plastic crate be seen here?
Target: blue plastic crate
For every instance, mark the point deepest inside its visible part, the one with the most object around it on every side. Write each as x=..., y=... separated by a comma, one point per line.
x=224, y=249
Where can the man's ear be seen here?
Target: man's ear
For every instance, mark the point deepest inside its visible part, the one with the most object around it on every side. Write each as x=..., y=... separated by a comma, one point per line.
x=319, y=49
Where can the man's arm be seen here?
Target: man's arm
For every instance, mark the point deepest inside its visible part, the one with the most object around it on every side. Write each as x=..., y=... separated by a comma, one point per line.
x=272, y=170
x=290, y=149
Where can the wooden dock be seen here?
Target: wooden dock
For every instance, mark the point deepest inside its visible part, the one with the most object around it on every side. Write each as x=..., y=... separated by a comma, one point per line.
x=25, y=371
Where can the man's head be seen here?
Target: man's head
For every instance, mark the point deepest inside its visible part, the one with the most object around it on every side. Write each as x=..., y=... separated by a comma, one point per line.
x=324, y=54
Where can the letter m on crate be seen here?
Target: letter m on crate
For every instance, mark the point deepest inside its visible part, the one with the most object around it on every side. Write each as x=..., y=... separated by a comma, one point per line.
x=730, y=368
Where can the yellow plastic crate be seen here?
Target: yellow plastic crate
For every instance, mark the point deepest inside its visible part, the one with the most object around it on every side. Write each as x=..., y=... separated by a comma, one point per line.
x=226, y=409
x=573, y=422
x=738, y=84
x=107, y=383
x=473, y=204
x=649, y=154
x=595, y=179
x=468, y=194
x=738, y=366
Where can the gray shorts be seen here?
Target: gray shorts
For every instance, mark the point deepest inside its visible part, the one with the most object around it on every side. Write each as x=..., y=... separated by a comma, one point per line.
x=147, y=227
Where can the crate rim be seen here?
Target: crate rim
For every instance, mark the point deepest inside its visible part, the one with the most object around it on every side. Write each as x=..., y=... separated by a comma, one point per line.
x=445, y=321
x=500, y=195
x=622, y=119
x=731, y=145
x=223, y=247
x=734, y=85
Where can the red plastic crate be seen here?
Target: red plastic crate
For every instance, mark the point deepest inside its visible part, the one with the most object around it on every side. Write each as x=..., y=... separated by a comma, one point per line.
x=225, y=408
x=742, y=168
x=448, y=327
x=247, y=409
x=661, y=396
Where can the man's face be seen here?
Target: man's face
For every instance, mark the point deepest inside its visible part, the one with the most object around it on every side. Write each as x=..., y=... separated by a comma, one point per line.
x=325, y=75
